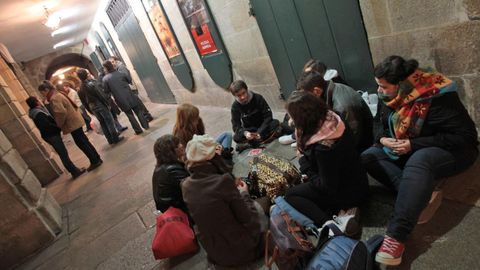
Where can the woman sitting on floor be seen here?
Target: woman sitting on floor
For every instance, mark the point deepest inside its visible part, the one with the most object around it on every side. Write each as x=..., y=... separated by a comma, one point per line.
x=190, y=123
x=423, y=134
x=336, y=180
x=169, y=172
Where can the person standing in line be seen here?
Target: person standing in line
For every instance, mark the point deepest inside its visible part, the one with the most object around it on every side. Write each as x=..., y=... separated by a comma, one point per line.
x=69, y=120
x=97, y=104
x=112, y=105
x=120, y=66
x=66, y=89
x=117, y=83
x=51, y=134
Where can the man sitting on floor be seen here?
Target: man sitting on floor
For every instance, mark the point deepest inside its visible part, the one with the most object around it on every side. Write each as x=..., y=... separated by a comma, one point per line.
x=252, y=119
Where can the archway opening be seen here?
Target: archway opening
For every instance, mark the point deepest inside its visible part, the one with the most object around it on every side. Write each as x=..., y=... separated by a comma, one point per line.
x=62, y=70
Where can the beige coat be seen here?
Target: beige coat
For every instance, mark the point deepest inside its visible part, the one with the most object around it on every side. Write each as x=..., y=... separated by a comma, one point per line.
x=67, y=117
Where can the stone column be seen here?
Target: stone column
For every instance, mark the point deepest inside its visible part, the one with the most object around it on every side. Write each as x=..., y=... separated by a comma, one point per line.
x=30, y=216
x=20, y=130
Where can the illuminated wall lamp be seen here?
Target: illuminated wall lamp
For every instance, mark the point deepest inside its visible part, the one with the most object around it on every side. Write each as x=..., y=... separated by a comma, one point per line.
x=51, y=21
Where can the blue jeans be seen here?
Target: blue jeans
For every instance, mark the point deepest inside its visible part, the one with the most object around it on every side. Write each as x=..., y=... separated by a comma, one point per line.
x=414, y=177
x=225, y=139
x=107, y=123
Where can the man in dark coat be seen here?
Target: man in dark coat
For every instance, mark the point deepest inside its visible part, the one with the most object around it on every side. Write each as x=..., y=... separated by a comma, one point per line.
x=117, y=83
x=120, y=66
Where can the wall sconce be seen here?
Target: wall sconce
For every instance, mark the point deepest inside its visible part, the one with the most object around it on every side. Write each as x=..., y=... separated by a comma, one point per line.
x=51, y=21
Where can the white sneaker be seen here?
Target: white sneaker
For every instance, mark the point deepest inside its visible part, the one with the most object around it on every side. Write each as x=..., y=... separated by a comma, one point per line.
x=346, y=224
x=294, y=145
x=286, y=139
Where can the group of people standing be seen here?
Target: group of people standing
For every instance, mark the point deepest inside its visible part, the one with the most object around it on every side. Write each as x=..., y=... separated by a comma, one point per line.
x=66, y=111
x=420, y=134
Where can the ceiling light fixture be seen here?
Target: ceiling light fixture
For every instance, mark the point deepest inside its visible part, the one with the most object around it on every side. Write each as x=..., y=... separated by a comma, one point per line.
x=52, y=21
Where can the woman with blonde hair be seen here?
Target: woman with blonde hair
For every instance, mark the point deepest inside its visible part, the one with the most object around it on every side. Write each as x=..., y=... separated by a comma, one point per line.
x=190, y=123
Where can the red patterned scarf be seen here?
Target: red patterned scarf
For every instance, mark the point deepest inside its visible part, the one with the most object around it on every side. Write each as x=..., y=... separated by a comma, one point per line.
x=412, y=109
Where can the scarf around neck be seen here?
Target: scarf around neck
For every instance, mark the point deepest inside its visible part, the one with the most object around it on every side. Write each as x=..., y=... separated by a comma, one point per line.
x=411, y=110
x=32, y=113
x=332, y=128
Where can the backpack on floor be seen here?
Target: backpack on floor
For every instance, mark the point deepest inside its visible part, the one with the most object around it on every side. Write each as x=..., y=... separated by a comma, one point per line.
x=272, y=176
x=343, y=253
x=288, y=241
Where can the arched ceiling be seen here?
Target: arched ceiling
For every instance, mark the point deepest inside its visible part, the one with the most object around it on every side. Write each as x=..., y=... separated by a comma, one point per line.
x=22, y=31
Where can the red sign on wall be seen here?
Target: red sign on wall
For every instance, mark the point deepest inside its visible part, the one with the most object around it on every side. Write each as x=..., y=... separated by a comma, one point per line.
x=204, y=40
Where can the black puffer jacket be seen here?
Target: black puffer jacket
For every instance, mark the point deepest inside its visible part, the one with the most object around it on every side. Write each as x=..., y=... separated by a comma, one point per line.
x=166, y=186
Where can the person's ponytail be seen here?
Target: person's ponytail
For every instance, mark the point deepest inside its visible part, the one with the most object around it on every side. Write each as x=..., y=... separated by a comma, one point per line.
x=395, y=69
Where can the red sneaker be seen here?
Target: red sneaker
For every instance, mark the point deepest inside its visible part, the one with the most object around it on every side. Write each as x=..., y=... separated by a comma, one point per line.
x=390, y=253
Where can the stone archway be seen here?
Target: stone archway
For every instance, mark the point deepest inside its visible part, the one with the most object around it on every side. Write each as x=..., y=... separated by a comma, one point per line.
x=69, y=59
x=36, y=69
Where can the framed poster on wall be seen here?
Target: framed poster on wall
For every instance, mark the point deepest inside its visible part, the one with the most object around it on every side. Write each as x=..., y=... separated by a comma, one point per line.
x=197, y=19
x=169, y=42
x=162, y=28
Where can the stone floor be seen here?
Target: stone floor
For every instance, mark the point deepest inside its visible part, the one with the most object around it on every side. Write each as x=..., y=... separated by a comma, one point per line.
x=109, y=215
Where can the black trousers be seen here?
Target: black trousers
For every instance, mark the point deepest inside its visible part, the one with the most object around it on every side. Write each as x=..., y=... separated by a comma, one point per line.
x=81, y=140
x=57, y=143
x=272, y=126
x=141, y=117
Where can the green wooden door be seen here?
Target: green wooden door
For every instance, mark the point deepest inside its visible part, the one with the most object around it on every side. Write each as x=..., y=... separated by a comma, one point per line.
x=139, y=52
x=330, y=31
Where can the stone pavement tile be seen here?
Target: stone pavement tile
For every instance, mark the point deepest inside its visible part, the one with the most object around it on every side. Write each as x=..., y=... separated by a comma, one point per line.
x=90, y=255
x=110, y=202
x=448, y=241
x=147, y=214
x=136, y=254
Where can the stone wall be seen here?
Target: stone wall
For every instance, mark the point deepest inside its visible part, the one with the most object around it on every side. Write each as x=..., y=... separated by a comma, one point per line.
x=20, y=130
x=443, y=34
x=30, y=216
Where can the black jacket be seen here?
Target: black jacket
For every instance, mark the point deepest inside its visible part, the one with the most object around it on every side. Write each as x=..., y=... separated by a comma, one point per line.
x=351, y=107
x=254, y=116
x=92, y=96
x=46, y=125
x=447, y=126
x=166, y=186
x=335, y=171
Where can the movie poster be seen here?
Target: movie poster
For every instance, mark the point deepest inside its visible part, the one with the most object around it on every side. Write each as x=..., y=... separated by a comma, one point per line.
x=196, y=18
x=164, y=32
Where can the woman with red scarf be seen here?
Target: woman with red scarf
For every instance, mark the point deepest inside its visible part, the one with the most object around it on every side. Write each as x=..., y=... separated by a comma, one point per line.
x=423, y=133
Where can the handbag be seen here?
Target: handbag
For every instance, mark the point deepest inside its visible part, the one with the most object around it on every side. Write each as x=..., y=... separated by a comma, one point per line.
x=272, y=176
x=173, y=236
x=95, y=125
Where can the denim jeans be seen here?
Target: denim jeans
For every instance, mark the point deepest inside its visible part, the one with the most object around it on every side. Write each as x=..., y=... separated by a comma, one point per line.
x=414, y=177
x=86, y=117
x=105, y=118
x=57, y=143
x=82, y=142
x=225, y=139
